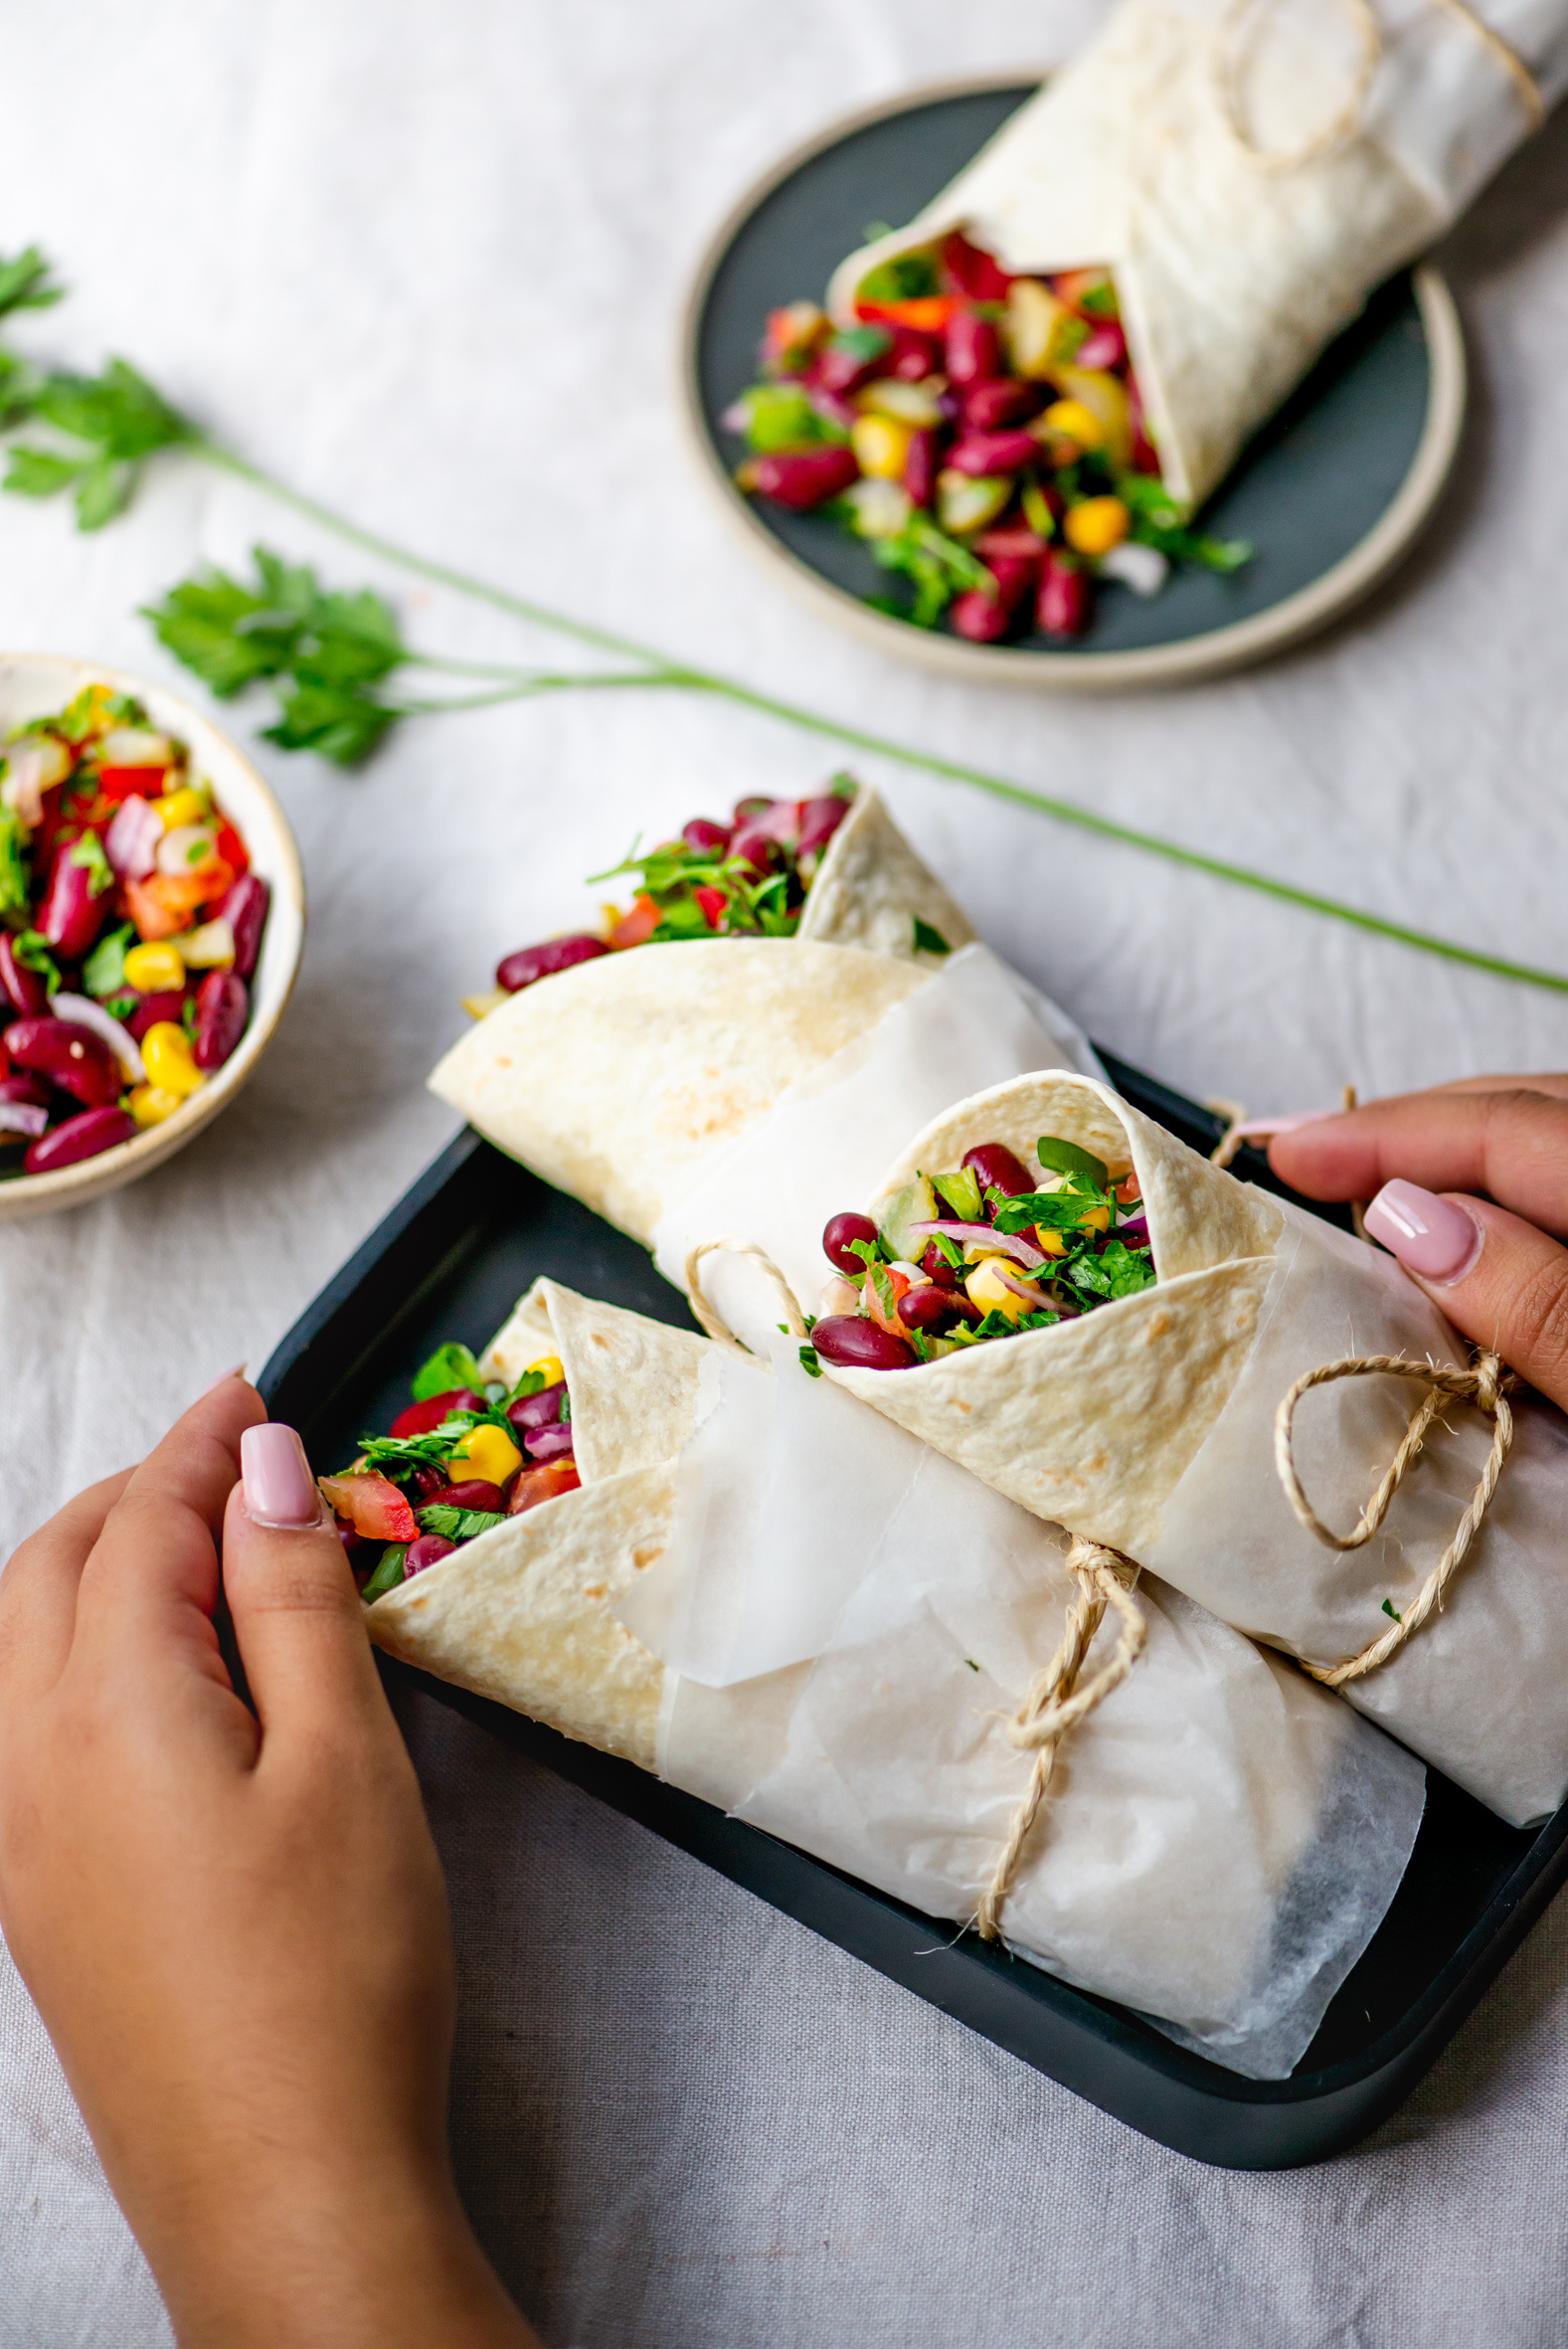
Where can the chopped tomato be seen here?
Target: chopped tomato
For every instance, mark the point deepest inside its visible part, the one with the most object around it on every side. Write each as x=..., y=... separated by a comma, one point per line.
x=634, y=928
x=164, y=904
x=713, y=903
x=928, y=314
x=127, y=783
x=541, y=1484
x=231, y=848
x=899, y=1285
x=372, y=1505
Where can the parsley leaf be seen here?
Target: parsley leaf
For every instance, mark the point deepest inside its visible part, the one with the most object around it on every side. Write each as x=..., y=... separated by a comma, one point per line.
x=928, y=940
x=1066, y=1157
x=458, y=1525
x=24, y=283
x=14, y=889
x=31, y=951
x=104, y=972
x=1389, y=1608
x=87, y=853
x=1118, y=1270
x=809, y=1362
x=112, y=422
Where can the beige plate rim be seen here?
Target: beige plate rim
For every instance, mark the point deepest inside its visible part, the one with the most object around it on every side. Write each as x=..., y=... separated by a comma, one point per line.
x=25, y=1196
x=1192, y=658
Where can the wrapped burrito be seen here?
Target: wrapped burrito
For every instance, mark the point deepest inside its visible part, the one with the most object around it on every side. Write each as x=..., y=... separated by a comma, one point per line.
x=628, y=1079
x=792, y=1609
x=1246, y=175
x=1057, y=1294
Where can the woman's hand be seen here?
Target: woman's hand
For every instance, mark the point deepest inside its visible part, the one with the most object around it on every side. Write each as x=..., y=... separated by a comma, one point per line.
x=234, y=1922
x=1469, y=1187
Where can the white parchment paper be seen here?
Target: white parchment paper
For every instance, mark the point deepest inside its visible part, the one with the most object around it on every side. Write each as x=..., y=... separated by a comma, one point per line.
x=854, y=1617
x=1478, y=1690
x=826, y=1144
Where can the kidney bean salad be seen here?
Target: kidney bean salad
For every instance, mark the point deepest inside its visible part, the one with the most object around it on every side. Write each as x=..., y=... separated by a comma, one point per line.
x=466, y=1454
x=983, y=1252
x=748, y=878
x=983, y=434
x=130, y=924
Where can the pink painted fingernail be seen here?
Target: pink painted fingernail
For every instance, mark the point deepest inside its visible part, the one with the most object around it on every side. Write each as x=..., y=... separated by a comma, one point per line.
x=1429, y=1235
x=1287, y=1122
x=279, y=1488
x=221, y=1380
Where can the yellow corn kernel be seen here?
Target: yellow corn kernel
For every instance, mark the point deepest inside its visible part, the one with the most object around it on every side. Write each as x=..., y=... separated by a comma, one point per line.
x=1096, y=525
x=1095, y=1219
x=490, y=1454
x=549, y=1368
x=1072, y=419
x=181, y=807
x=985, y=1288
x=1039, y=329
x=1050, y=1243
x=171, y=1065
x=881, y=446
x=479, y=1006
x=1103, y=396
x=151, y=969
x=149, y=1105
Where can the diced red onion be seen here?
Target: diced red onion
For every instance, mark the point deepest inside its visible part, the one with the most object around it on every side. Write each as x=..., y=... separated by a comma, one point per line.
x=132, y=841
x=1004, y=1243
x=22, y=1117
x=118, y=1038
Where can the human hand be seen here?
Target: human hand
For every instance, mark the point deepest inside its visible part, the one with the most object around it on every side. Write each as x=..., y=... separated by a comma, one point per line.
x=1471, y=1185
x=234, y=1922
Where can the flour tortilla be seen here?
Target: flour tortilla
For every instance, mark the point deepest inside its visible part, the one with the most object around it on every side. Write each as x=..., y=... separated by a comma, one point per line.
x=524, y=1614
x=1233, y=275
x=1093, y=1423
x=871, y=888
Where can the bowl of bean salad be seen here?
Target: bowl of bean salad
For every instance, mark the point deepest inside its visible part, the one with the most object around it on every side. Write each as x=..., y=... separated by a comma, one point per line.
x=151, y=923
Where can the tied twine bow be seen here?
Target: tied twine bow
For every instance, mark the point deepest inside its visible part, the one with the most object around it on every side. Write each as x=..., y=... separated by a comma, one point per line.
x=1055, y=1703
x=1486, y=1384
x=1347, y=121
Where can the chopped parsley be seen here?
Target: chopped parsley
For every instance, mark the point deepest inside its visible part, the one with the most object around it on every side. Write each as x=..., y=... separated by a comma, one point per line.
x=928, y=940
x=458, y=1525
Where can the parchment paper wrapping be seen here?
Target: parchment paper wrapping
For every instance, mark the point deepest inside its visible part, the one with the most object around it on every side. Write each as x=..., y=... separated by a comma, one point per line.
x=848, y=1618
x=1149, y=1424
x=1234, y=272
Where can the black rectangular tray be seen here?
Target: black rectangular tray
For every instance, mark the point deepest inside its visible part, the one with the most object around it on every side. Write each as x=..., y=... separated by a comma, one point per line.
x=451, y=1260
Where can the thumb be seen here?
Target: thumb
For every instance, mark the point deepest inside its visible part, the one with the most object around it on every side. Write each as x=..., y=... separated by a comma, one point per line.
x=1499, y=1280
x=297, y=1618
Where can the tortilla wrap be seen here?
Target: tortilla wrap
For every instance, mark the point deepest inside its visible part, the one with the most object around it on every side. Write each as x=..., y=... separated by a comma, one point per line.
x=871, y=888
x=1235, y=270
x=1221, y=1838
x=1149, y=1424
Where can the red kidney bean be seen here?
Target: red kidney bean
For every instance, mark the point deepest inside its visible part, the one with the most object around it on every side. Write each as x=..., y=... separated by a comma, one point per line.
x=72, y=912
x=843, y=368
x=428, y=1550
x=989, y=406
x=921, y=467
x=1014, y=544
x=427, y=1480
x=351, y=1541
x=26, y=1092
x=537, y=1410
x=860, y=1346
x=548, y=1443
x=708, y=838
x=755, y=848
x=84, y=1137
x=930, y=1310
x=24, y=989
x=972, y=349
x=745, y=809
x=69, y=1056
x=996, y=1169
x=983, y=617
x=994, y=452
x=1103, y=346
x=1063, y=608
x=533, y=962
x=819, y=819
x=168, y=1004
x=802, y=477
x=937, y=1268
x=222, y=1005
x=476, y=1493
x=972, y=272
x=420, y=1419
x=838, y=1233
x=915, y=355
x=244, y=911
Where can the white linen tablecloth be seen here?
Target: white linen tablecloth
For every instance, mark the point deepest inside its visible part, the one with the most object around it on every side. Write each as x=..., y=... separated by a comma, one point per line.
x=426, y=262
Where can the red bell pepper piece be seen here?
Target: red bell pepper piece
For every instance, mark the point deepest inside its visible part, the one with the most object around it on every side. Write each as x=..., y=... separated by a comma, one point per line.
x=541, y=1484
x=372, y=1505
x=713, y=903
x=420, y=1419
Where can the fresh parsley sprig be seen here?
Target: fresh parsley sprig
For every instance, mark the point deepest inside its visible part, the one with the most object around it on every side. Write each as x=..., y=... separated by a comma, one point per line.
x=672, y=873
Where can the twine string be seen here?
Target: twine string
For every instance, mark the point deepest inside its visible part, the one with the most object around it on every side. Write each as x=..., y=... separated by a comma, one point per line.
x=1055, y=1703
x=708, y=1312
x=1486, y=1384
x=1345, y=124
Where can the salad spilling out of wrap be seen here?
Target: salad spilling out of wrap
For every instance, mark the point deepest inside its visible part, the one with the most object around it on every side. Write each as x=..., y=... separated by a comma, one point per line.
x=1167, y=238
x=985, y=1250
x=1147, y=1420
x=792, y=1609
x=981, y=432
x=832, y=867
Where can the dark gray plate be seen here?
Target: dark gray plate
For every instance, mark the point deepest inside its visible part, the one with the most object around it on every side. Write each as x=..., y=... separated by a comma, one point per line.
x=1330, y=494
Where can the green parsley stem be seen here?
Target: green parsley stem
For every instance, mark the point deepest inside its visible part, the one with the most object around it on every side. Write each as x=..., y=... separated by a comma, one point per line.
x=661, y=670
